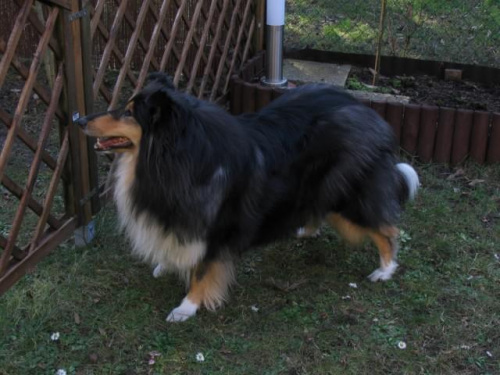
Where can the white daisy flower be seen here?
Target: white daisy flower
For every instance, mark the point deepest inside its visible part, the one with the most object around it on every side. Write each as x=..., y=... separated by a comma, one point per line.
x=61, y=371
x=55, y=336
x=402, y=345
x=200, y=357
x=353, y=285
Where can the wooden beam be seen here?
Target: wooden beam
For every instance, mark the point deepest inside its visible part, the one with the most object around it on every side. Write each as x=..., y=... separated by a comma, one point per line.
x=52, y=240
x=260, y=22
x=65, y=4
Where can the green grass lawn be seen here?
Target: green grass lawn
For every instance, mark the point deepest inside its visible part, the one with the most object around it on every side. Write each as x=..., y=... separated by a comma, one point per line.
x=443, y=303
x=449, y=30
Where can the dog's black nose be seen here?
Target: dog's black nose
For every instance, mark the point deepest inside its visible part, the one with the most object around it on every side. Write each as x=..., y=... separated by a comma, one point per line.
x=81, y=121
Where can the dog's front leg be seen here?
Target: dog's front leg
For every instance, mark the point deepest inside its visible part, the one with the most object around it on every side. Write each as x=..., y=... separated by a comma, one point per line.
x=209, y=285
x=159, y=271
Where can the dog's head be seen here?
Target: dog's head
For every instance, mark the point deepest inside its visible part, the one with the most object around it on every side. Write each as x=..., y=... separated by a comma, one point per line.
x=121, y=130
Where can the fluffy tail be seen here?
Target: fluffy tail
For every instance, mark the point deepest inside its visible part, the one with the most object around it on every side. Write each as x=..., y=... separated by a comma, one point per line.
x=410, y=178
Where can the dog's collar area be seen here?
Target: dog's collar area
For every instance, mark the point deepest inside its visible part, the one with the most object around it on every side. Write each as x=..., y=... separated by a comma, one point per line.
x=109, y=143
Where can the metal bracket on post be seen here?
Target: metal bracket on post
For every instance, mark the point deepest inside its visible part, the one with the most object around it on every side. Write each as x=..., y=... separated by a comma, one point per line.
x=80, y=14
x=85, y=234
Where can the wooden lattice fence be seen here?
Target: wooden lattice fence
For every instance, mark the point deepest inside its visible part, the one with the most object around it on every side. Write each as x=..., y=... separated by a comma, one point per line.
x=65, y=58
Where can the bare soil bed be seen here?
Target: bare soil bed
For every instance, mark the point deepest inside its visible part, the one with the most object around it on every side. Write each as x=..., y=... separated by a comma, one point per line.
x=423, y=89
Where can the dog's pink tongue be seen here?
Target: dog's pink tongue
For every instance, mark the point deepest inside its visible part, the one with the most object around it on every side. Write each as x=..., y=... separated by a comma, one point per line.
x=113, y=142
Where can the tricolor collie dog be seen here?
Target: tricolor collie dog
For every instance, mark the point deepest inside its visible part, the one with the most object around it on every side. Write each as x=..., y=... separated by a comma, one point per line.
x=196, y=186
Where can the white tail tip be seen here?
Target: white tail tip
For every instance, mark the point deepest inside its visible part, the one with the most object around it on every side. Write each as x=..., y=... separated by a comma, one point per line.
x=410, y=177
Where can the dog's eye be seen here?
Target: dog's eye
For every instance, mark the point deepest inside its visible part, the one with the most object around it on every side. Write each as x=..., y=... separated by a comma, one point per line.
x=127, y=113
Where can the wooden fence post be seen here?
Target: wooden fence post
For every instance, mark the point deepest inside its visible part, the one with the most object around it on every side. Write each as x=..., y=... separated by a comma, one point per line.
x=75, y=105
x=260, y=22
x=86, y=40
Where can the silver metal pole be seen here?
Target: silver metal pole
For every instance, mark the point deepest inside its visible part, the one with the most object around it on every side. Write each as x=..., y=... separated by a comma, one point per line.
x=275, y=25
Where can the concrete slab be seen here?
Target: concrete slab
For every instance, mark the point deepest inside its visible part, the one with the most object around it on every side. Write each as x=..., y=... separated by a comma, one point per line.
x=379, y=96
x=302, y=71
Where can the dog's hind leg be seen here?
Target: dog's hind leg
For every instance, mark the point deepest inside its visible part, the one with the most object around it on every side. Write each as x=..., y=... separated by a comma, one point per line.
x=351, y=232
x=311, y=229
x=386, y=241
x=209, y=285
x=384, y=238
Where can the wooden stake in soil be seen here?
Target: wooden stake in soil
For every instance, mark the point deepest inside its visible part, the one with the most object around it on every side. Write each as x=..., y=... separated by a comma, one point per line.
x=379, y=42
x=48, y=60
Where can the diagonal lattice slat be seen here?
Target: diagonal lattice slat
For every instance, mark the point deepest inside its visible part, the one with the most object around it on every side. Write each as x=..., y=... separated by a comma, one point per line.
x=142, y=40
x=109, y=46
x=15, y=35
x=196, y=42
x=130, y=50
x=226, y=49
x=236, y=47
x=36, y=207
x=46, y=127
x=27, y=139
x=173, y=33
x=116, y=52
x=200, y=54
x=39, y=27
x=24, y=72
x=152, y=45
x=187, y=43
x=211, y=56
x=45, y=215
x=27, y=89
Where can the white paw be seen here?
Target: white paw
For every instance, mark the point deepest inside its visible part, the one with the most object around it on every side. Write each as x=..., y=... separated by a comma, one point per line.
x=383, y=273
x=182, y=312
x=304, y=232
x=158, y=271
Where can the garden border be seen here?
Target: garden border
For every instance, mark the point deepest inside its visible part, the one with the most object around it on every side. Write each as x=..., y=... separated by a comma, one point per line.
x=431, y=133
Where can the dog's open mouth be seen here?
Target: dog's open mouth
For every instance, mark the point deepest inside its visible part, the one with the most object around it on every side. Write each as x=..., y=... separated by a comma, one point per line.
x=109, y=143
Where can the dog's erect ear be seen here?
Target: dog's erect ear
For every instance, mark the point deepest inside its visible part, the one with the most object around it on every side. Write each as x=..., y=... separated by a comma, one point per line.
x=161, y=105
x=161, y=78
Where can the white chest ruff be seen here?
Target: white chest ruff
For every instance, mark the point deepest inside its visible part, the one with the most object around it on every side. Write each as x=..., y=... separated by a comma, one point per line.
x=148, y=238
